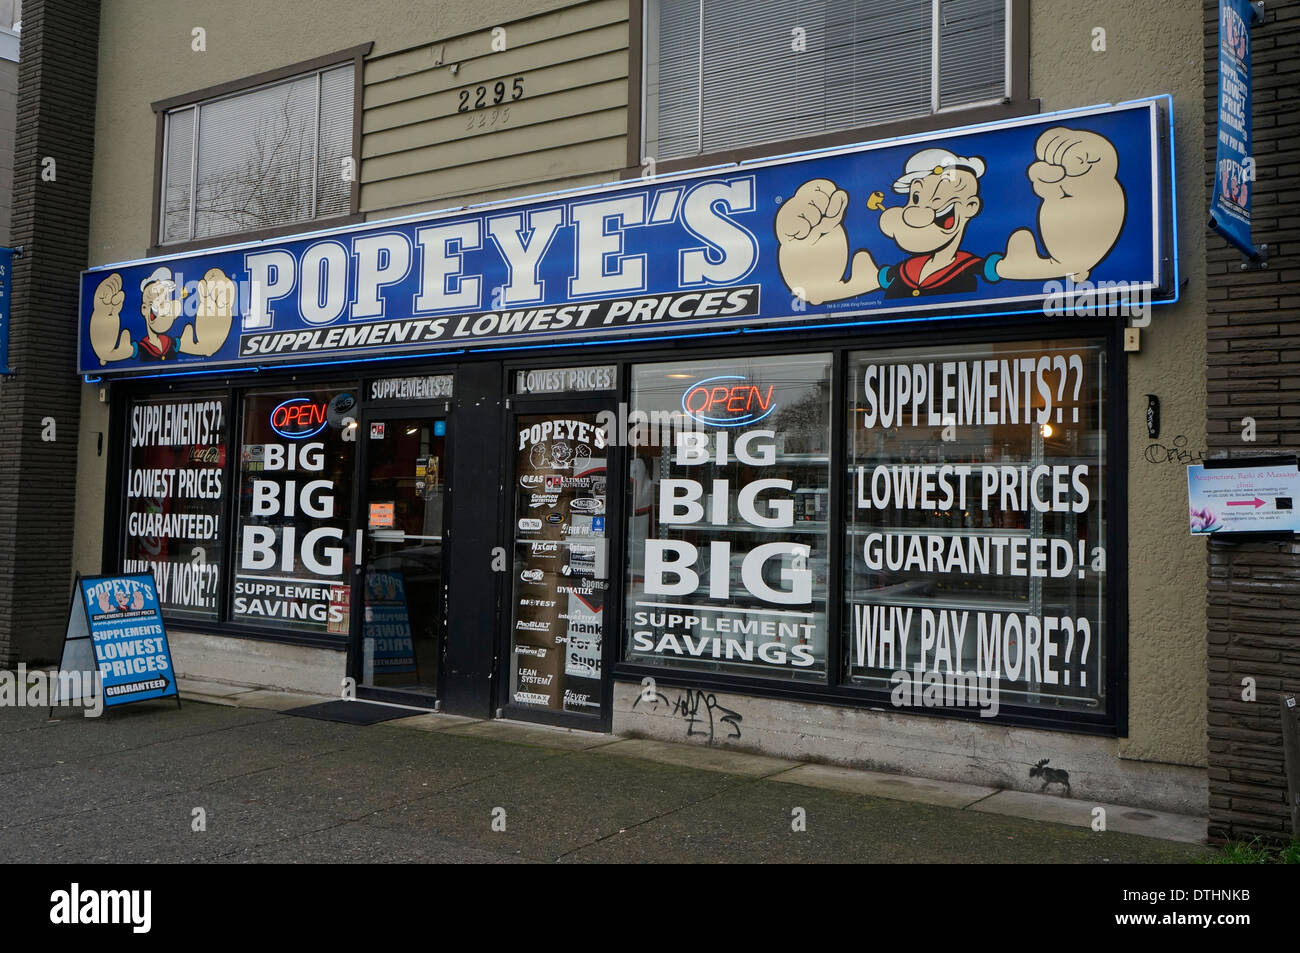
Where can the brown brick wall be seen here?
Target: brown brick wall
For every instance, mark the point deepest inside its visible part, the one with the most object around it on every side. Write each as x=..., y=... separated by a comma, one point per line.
x=1253, y=365
x=56, y=119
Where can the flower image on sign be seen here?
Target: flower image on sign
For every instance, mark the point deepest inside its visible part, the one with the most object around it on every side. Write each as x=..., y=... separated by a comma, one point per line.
x=1243, y=496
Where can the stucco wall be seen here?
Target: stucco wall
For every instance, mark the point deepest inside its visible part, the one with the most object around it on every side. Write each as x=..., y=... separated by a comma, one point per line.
x=1151, y=48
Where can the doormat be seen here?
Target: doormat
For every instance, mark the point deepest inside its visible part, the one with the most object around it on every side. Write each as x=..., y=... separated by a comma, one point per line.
x=351, y=713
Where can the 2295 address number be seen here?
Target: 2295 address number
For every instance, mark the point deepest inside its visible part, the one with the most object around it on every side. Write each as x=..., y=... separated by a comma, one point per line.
x=492, y=95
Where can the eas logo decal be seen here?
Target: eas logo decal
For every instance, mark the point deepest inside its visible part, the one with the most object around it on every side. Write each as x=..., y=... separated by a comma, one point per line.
x=728, y=401
x=339, y=411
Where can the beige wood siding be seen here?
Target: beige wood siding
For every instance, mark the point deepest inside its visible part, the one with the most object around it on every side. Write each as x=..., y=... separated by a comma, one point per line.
x=569, y=126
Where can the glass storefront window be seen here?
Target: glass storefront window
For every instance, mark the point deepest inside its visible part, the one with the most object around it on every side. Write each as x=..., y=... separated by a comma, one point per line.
x=975, y=522
x=293, y=545
x=728, y=516
x=176, y=460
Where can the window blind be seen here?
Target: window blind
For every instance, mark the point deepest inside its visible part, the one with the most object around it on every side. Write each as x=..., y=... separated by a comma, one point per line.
x=177, y=192
x=972, y=50
x=333, y=190
x=723, y=74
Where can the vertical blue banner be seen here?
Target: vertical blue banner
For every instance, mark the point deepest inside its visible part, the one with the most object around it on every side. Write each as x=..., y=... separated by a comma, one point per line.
x=6, y=286
x=1234, y=170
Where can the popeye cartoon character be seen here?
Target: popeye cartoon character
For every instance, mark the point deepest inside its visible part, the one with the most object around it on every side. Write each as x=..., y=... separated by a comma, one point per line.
x=161, y=305
x=1079, y=220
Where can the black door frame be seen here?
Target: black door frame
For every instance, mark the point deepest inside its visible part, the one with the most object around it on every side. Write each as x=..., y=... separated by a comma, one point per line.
x=576, y=403
x=428, y=409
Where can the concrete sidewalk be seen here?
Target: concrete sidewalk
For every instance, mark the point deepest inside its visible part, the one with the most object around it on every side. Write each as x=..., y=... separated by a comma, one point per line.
x=429, y=787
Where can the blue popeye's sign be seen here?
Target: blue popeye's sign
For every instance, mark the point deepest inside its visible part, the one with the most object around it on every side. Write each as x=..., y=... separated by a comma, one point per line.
x=1005, y=217
x=130, y=643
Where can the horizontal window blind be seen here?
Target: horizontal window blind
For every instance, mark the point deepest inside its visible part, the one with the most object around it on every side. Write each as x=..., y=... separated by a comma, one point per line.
x=723, y=74
x=972, y=52
x=333, y=177
x=672, y=78
x=256, y=157
x=271, y=156
x=177, y=198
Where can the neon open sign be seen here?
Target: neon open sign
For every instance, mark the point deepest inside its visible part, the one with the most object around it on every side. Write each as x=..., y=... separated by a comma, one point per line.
x=298, y=418
x=728, y=401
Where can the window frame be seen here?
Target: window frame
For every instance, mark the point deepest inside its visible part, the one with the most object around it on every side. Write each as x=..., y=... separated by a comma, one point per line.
x=790, y=677
x=838, y=691
x=252, y=390
x=354, y=56
x=121, y=478
x=1017, y=103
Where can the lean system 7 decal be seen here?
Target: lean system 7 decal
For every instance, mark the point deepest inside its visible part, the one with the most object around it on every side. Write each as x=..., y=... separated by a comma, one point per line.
x=1006, y=217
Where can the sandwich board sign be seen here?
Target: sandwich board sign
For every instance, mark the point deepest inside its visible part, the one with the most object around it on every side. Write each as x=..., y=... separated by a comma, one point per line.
x=115, y=629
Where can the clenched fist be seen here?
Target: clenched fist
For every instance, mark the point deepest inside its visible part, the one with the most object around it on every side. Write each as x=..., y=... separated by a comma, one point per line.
x=814, y=249
x=110, y=341
x=1082, y=210
x=214, y=316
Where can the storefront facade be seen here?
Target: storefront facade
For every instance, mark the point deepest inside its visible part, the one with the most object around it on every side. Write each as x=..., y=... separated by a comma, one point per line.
x=817, y=452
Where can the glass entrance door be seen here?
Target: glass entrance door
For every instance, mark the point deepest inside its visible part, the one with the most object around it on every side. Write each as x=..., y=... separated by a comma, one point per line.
x=560, y=575
x=403, y=590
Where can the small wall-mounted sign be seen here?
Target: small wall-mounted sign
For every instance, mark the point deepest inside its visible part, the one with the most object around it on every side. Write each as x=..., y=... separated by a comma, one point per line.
x=1252, y=495
x=428, y=387
x=1153, y=416
x=564, y=380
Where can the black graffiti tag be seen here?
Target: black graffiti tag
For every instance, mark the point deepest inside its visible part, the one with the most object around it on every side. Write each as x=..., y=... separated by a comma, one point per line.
x=689, y=704
x=1178, y=453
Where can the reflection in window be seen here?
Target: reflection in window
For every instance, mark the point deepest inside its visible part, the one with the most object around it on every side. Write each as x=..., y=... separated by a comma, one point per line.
x=270, y=156
x=175, y=485
x=293, y=554
x=728, y=509
x=728, y=75
x=975, y=519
